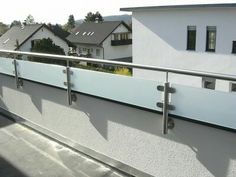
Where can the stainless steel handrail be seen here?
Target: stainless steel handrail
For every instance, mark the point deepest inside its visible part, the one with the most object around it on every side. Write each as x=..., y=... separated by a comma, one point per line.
x=166, y=89
x=130, y=65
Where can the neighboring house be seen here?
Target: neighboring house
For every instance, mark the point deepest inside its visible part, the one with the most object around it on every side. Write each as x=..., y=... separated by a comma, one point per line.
x=194, y=37
x=22, y=38
x=103, y=40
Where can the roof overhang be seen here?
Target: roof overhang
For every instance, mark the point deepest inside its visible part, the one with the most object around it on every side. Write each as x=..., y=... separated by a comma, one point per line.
x=183, y=6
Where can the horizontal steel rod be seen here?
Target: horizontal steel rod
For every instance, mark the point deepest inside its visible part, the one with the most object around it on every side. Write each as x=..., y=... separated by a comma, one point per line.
x=124, y=64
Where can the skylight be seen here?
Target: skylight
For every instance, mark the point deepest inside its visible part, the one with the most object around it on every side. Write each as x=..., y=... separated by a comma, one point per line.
x=77, y=33
x=6, y=41
x=84, y=33
x=91, y=33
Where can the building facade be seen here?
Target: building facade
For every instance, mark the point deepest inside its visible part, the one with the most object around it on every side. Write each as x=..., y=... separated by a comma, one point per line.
x=103, y=40
x=23, y=38
x=193, y=37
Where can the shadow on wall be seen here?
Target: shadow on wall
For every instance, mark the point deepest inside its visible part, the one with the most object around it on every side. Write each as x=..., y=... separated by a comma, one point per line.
x=8, y=169
x=206, y=142
x=208, y=146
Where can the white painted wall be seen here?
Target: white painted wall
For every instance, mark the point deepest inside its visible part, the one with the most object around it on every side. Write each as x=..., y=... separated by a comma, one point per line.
x=160, y=39
x=45, y=33
x=126, y=134
x=115, y=52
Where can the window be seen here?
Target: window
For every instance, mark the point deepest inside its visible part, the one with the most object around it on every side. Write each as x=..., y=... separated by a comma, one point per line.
x=91, y=50
x=98, y=53
x=116, y=37
x=6, y=41
x=208, y=83
x=234, y=47
x=124, y=36
x=191, y=38
x=33, y=42
x=232, y=87
x=84, y=49
x=211, y=39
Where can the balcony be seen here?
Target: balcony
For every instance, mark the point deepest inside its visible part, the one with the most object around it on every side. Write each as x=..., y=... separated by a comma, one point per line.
x=137, y=126
x=121, y=42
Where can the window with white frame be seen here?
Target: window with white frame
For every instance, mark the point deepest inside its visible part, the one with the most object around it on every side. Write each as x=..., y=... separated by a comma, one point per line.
x=211, y=39
x=98, y=52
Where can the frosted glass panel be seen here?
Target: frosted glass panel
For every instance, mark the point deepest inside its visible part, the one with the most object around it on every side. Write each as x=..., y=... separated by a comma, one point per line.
x=205, y=105
x=134, y=91
x=125, y=89
x=6, y=66
x=44, y=73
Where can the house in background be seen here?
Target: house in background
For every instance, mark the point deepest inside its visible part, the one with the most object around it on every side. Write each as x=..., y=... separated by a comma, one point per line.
x=23, y=38
x=195, y=37
x=110, y=40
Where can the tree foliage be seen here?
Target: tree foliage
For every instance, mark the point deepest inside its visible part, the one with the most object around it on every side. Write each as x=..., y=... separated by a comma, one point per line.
x=70, y=24
x=92, y=17
x=29, y=20
x=3, y=28
x=47, y=46
x=15, y=23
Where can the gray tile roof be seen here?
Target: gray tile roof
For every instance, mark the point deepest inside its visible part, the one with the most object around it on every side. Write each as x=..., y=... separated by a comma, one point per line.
x=8, y=39
x=93, y=33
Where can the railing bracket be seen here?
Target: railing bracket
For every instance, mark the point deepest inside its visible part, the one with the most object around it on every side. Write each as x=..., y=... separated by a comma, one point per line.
x=169, y=107
x=170, y=89
x=171, y=123
x=166, y=107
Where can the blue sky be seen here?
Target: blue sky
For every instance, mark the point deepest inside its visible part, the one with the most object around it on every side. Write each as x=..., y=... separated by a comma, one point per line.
x=58, y=11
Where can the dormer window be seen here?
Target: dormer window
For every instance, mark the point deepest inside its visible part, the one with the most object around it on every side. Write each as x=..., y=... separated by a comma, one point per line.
x=6, y=41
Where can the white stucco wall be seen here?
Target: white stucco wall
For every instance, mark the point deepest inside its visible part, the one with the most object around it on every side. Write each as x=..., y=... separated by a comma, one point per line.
x=45, y=33
x=160, y=39
x=115, y=52
x=129, y=135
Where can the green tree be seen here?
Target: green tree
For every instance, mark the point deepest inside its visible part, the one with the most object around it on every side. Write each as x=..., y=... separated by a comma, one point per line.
x=15, y=23
x=92, y=17
x=29, y=20
x=70, y=24
x=3, y=28
x=47, y=46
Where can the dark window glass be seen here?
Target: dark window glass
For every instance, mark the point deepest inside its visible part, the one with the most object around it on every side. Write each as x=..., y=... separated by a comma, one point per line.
x=233, y=87
x=32, y=43
x=191, y=38
x=211, y=39
x=208, y=83
x=234, y=47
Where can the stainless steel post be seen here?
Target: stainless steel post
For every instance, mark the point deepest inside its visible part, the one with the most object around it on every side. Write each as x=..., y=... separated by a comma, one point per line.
x=68, y=73
x=16, y=74
x=165, y=108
